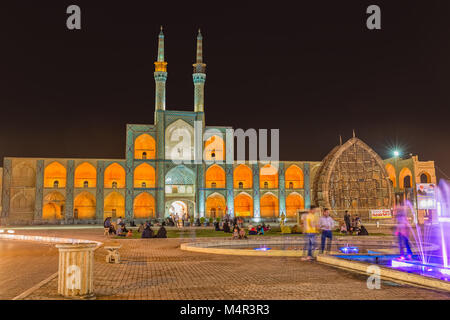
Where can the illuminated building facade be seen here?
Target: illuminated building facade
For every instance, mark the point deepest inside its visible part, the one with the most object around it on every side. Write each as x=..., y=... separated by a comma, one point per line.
x=151, y=182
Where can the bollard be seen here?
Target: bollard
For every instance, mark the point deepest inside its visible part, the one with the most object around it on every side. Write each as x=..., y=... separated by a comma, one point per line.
x=76, y=270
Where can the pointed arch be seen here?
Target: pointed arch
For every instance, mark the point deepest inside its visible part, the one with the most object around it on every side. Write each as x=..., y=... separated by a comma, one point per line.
x=294, y=177
x=84, y=206
x=268, y=177
x=215, y=205
x=85, y=176
x=144, y=147
x=215, y=177
x=114, y=176
x=294, y=203
x=243, y=205
x=22, y=202
x=391, y=173
x=405, y=178
x=55, y=175
x=23, y=175
x=144, y=206
x=114, y=205
x=54, y=206
x=179, y=141
x=243, y=176
x=424, y=177
x=214, y=148
x=269, y=205
x=144, y=176
x=180, y=175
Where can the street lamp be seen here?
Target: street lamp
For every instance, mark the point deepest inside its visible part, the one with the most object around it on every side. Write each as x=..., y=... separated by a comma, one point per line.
x=396, y=153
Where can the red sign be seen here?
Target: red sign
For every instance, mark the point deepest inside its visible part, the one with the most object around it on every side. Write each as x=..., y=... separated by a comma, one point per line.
x=381, y=214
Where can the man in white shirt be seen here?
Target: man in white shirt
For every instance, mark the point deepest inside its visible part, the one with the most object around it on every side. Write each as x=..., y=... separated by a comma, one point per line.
x=326, y=225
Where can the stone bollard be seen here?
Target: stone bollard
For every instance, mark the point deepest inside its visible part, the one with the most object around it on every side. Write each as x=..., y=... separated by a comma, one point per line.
x=76, y=270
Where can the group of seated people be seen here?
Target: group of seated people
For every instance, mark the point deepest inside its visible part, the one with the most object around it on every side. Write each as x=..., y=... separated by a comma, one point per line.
x=117, y=228
x=147, y=232
x=239, y=233
x=239, y=230
x=258, y=230
x=355, y=227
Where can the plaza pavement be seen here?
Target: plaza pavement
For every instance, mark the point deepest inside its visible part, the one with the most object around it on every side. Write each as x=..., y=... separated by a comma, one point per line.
x=156, y=269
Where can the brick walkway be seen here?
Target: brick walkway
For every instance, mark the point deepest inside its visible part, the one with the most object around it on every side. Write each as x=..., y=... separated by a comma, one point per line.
x=24, y=264
x=157, y=269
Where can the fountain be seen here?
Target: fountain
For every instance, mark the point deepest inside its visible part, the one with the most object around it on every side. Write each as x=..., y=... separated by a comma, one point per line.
x=430, y=256
x=431, y=263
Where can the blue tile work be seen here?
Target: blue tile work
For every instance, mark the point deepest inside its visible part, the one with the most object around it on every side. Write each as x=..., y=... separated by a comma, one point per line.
x=39, y=189
x=307, y=178
x=7, y=172
x=70, y=189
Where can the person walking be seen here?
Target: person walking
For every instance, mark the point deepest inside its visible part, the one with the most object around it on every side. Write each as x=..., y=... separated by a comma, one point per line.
x=326, y=224
x=310, y=229
x=402, y=232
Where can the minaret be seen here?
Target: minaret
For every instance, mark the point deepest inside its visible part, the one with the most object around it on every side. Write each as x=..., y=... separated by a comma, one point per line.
x=199, y=76
x=160, y=75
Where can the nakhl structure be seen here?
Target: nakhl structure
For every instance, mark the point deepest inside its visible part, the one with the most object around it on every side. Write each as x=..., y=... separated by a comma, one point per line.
x=148, y=184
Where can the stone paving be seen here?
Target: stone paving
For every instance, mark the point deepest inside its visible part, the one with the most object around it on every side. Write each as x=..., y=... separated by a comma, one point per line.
x=24, y=264
x=156, y=269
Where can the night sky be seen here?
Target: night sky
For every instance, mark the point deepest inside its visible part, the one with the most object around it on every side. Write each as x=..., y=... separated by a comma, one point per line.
x=312, y=69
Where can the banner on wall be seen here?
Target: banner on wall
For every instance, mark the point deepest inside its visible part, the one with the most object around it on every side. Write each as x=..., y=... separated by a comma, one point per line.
x=426, y=196
x=380, y=214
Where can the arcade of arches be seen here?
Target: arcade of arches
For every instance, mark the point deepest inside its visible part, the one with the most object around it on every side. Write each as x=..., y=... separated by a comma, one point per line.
x=243, y=205
x=85, y=176
x=144, y=206
x=144, y=176
x=55, y=175
x=114, y=205
x=268, y=177
x=294, y=177
x=214, y=149
x=53, y=206
x=405, y=178
x=242, y=177
x=84, y=206
x=114, y=176
x=294, y=204
x=215, y=206
x=23, y=175
x=215, y=177
x=269, y=206
x=144, y=147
